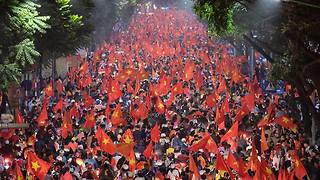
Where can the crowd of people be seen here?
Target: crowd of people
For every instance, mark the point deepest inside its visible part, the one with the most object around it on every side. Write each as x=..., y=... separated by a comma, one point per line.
x=161, y=100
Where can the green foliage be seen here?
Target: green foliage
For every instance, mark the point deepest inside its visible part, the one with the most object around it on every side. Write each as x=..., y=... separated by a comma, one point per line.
x=25, y=18
x=218, y=15
x=281, y=69
x=20, y=22
x=25, y=52
x=9, y=73
x=68, y=30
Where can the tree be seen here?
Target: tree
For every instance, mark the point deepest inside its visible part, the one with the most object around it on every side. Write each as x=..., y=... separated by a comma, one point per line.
x=284, y=32
x=68, y=30
x=20, y=23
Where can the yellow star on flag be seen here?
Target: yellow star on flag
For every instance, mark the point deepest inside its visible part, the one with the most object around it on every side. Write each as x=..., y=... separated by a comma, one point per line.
x=236, y=164
x=156, y=93
x=132, y=161
x=19, y=177
x=116, y=114
x=268, y=170
x=35, y=165
x=285, y=120
x=29, y=177
x=91, y=118
x=105, y=141
x=160, y=106
x=294, y=129
x=49, y=88
x=127, y=139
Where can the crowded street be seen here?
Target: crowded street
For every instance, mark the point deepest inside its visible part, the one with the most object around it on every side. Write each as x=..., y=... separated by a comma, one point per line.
x=160, y=100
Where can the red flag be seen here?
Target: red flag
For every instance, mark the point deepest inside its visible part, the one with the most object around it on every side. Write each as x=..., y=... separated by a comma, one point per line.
x=266, y=171
x=299, y=170
x=188, y=71
x=85, y=81
x=283, y=174
x=177, y=89
x=169, y=101
x=19, y=175
x=122, y=77
x=137, y=87
x=43, y=117
x=58, y=106
x=155, y=133
x=105, y=142
x=225, y=106
x=248, y=100
x=142, y=75
x=74, y=111
x=222, y=86
x=83, y=68
x=220, y=118
x=132, y=161
x=66, y=176
x=242, y=113
x=124, y=149
x=264, y=145
x=66, y=125
x=141, y=112
x=221, y=165
x=130, y=89
x=18, y=116
x=267, y=118
x=254, y=162
x=198, y=81
x=286, y=122
x=159, y=106
x=233, y=132
x=127, y=137
x=90, y=120
x=130, y=72
x=49, y=90
x=148, y=151
x=236, y=75
x=264, y=121
x=88, y=100
x=211, y=145
x=114, y=91
x=148, y=101
x=164, y=86
x=37, y=166
x=232, y=162
x=193, y=167
x=201, y=144
x=116, y=117
x=211, y=100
